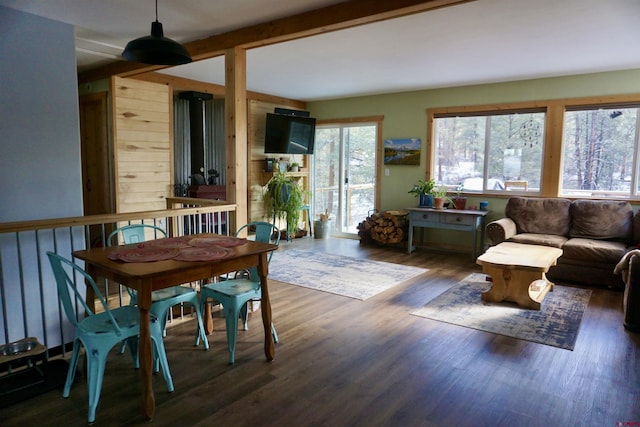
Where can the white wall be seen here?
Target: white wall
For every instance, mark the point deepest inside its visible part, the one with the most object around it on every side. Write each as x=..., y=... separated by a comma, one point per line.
x=40, y=170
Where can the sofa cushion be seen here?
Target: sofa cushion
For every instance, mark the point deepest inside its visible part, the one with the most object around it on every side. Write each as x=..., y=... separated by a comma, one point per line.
x=552, y=240
x=601, y=219
x=540, y=215
x=636, y=227
x=595, y=251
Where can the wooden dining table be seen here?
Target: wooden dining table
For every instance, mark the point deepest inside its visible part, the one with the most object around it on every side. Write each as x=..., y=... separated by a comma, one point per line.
x=146, y=277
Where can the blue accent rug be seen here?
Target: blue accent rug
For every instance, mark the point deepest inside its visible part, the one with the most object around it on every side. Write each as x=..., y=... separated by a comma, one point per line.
x=555, y=324
x=351, y=277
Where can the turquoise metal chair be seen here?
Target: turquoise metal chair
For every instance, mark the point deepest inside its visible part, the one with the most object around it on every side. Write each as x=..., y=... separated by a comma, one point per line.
x=234, y=294
x=99, y=333
x=163, y=299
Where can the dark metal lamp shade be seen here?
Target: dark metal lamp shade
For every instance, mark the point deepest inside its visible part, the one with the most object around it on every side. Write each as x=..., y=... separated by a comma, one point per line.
x=156, y=49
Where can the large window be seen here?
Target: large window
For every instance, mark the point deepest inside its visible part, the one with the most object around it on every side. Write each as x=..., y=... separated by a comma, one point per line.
x=600, y=146
x=490, y=152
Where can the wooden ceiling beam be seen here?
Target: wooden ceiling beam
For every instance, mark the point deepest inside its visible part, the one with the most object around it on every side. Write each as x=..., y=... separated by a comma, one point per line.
x=331, y=18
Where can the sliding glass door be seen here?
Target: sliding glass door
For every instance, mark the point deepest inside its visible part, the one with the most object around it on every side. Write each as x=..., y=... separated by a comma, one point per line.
x=344, y=174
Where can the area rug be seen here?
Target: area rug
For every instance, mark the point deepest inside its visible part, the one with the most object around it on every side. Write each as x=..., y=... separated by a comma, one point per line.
x=351, y=277
x=555, y=324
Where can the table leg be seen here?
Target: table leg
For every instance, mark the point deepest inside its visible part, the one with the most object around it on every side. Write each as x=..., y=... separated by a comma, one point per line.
x=146, y=352
x=208, y=319
x=207, y=316
x=263, y=270
x=482, y=230
x=475, y=244
x=515, y=286
x=410, y=247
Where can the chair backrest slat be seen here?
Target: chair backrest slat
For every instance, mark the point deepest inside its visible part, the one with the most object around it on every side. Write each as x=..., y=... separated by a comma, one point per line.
x=265, y=233
x=67, y=282
x=135, y=233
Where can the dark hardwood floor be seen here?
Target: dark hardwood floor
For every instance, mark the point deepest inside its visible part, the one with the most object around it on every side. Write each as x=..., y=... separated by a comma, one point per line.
x=344, y=362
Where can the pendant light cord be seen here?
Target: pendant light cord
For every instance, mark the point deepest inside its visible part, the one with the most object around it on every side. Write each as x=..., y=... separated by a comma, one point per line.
x=156, y=10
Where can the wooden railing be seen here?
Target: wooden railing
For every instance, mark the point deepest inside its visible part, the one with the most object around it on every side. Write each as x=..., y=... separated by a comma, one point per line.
x=28, y=295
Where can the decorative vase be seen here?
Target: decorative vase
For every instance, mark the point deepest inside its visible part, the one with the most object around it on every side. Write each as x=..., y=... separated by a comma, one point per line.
x=426, y=200
x=321, y=229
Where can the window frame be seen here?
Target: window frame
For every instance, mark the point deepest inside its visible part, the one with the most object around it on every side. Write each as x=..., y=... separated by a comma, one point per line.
x=634, y=191
x=552, y=164
x=488, y=116
x=378, y=121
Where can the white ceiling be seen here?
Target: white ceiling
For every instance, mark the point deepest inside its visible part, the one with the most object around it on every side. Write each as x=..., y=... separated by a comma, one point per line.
x=481, y=41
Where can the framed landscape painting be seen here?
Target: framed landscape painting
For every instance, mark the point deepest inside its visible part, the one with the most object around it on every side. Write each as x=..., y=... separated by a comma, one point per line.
x=402, y=151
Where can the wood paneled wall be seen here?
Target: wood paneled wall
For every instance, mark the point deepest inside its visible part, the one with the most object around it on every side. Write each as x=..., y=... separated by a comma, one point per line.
x=257, y=112
x=143, y=153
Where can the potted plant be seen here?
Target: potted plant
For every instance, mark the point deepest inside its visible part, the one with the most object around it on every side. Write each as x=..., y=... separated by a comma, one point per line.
x=295, y=167
x=459, y=201
x=440, y=197
x=283, y=197
x=424, y=191
x=321, y=226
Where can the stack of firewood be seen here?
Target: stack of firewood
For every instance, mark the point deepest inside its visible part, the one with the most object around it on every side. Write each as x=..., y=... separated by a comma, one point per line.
x=387, y=227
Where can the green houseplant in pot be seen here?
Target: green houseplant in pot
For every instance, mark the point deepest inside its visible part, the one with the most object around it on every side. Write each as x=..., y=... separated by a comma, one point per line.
x=424, y=191
x=440, y=197
x=459, y=201
x=283, y=197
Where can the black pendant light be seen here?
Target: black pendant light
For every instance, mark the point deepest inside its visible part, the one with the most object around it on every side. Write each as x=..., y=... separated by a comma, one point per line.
x=156, y=49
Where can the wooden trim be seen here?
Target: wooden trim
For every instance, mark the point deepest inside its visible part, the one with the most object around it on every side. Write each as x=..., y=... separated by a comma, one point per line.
x=331, y=18
x=428, y=173
x=236, y=130
x=586, y=101
x=113, y=140
x=206, y=206
x=488, y=108
x=379, y=163
x=378, y=120
x=97, y=153
x=552, y=153
x=271, y=99
x=182, y=84
x=365, y=119
x=171, y=140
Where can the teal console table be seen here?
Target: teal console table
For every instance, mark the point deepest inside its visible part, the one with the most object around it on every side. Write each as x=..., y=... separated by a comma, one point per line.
x=448, y=219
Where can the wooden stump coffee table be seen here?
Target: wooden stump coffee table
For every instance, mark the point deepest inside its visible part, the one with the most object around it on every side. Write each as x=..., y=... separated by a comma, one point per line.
x=518, y=273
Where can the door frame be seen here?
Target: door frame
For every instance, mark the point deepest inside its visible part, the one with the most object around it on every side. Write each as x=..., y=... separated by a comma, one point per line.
x=96, y=155
x=378, y=120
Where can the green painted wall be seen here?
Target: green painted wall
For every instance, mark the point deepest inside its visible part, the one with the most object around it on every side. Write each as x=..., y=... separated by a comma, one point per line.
x=405, y=116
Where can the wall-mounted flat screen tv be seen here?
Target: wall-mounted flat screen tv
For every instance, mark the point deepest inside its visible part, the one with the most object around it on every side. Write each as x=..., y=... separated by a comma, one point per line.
x=288, y=134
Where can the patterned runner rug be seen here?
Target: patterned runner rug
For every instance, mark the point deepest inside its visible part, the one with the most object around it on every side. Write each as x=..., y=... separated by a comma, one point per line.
x=351, y=277
x=555, y=324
